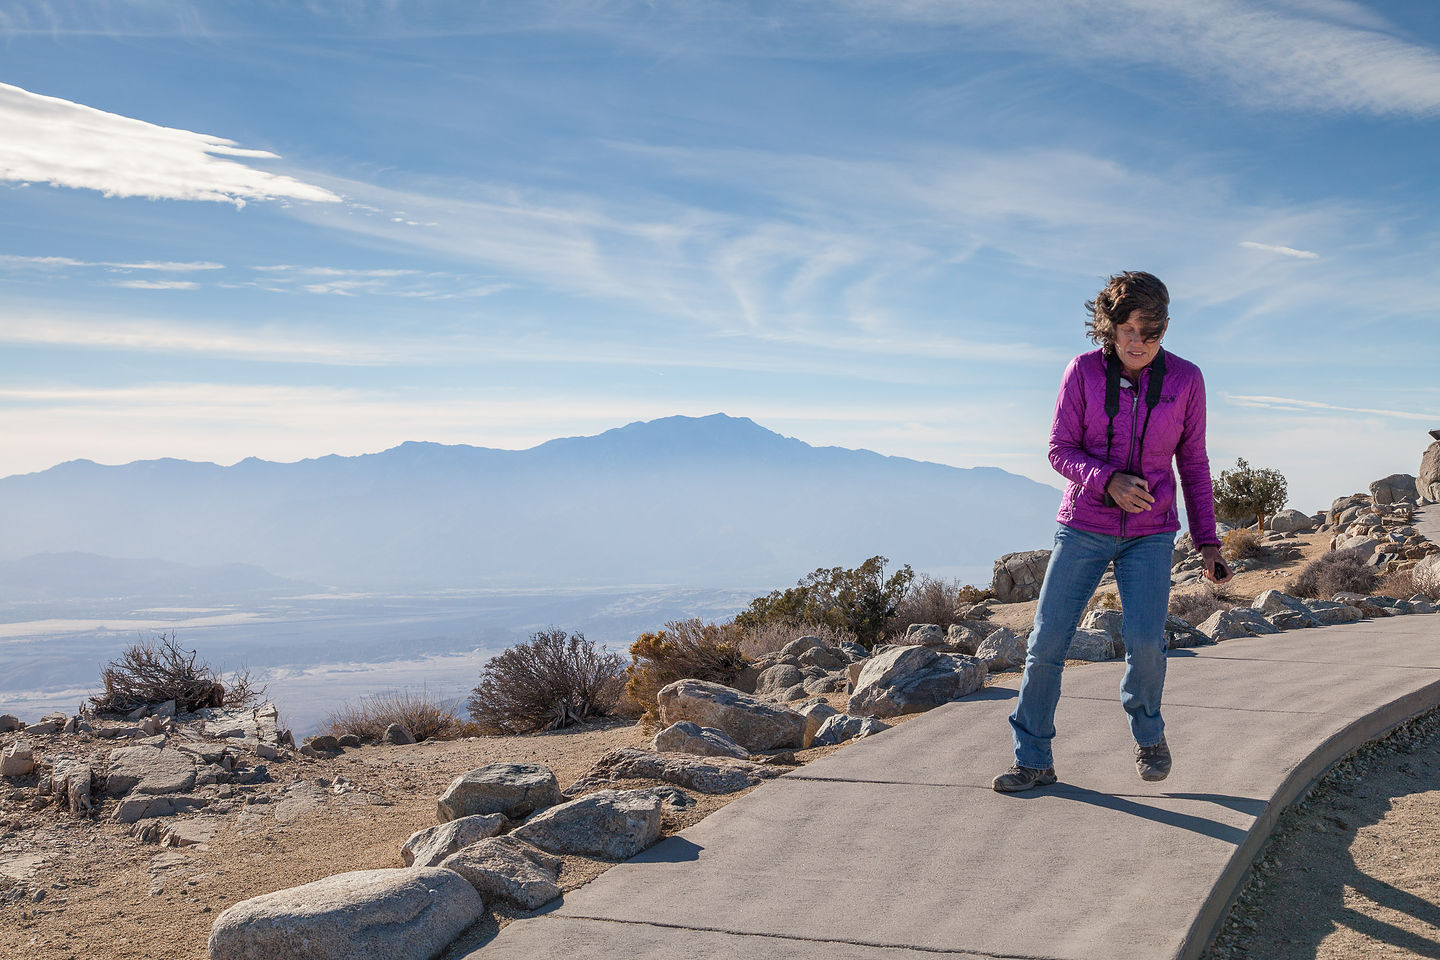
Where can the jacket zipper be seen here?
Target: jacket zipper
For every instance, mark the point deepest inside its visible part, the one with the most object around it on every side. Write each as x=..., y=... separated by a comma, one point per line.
x=1130, y=453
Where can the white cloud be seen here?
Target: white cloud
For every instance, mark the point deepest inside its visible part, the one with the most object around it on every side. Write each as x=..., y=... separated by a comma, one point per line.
x=1315, y=406
x=157, y=284
x=1303, y=54
x=1282, y=251
x=49, y=140
x=46, y=263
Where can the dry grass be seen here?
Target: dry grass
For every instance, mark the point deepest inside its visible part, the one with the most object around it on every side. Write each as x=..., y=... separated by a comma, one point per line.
x=1241, y=545
x=1399, y=584
x=1195, y=605
x=932, y=600
x=425, y=716
x=774, y=635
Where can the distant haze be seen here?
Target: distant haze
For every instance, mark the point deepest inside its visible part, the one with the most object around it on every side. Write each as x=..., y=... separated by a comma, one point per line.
x=714, y=501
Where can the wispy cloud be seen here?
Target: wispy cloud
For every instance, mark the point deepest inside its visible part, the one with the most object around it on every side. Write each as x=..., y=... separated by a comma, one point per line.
x=1282, y=251
x=157, y=284
x=50, y=140
x=50, y=263
x=1316, y=406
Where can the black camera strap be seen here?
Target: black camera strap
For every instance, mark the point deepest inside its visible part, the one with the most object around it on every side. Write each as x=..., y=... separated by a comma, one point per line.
x=1113, y=370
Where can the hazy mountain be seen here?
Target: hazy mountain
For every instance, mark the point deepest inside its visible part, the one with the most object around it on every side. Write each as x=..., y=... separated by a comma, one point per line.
x=76, y=576
x=714, y=501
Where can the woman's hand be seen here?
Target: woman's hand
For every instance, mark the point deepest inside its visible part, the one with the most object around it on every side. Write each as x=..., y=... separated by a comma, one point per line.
x=1130, y=492
x=1213, y=561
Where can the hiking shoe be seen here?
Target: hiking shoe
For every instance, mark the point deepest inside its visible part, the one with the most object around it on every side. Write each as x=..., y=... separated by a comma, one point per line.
x=1019, y=778
x=1153, y=762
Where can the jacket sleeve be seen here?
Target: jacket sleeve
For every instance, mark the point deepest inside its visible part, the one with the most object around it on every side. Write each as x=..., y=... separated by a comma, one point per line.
x=1194, y=466
x=1067, y=437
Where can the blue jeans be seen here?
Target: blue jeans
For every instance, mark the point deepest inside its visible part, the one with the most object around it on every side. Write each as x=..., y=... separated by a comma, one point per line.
x=1142, y=574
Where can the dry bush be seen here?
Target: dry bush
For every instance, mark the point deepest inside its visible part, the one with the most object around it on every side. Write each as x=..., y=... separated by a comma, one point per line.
x=681, y=650
x=157, y=670
x=1241, y=545
x=1427, y=578
x=932, y=600
x=550, y=681
x=1104, y=600
x=773, y=635
x=1196, y=605
x=425, y=716
x=1340, y=571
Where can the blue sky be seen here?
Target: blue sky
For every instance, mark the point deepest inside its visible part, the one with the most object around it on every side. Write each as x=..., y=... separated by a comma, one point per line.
x=293, y=229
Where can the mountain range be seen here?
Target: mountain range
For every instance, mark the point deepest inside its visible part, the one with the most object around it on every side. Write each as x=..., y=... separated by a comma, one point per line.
x=717, y=501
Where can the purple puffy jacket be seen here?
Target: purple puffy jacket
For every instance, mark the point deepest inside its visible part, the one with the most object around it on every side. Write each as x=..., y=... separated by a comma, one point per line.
x=1176, y=432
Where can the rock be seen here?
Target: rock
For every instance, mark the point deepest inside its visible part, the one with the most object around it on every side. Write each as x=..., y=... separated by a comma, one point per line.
x=752, y=723
x=815, y=714
x=1329, y=614
x=713, y=776
x=1017, y=576
x=18, y=760
x=1276, y=602
x=44, y=728
x=1427, y=481
x=349, y=740
x=799, y=646
x=140, y=806
x=426, y=848
x=964, y=638
x=851, y=651
x=928, y=634
x=1179, y=634
x=1093, y=645
x=612, y=824
x=324, y=744
x=1291, y=521
x=10, y=723
x=1396, y=488
x=843, y=726
x=149, y=770
x=70, y=782
x=780, y=677
x=397, y=735
x=912, y=679
x=823, y=657
x=393, y=914
x=1236, y=622
x=1111, y=622
x=1002, y=650
x=830, y=683
x=514, y=789
x=688, y=737
x=508, y=869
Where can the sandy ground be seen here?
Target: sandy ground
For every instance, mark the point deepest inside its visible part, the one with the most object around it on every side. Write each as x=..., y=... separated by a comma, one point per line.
x=1354, y=871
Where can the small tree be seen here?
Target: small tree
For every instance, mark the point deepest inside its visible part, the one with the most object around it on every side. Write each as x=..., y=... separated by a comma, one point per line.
x=552, y=680
x=862, y=600
x=1246, y=490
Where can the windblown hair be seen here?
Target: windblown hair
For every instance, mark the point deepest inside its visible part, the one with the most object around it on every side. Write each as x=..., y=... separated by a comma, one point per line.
x=1123, y=294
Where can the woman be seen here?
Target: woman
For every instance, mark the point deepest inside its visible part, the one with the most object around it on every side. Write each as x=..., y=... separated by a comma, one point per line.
x=1126, y=411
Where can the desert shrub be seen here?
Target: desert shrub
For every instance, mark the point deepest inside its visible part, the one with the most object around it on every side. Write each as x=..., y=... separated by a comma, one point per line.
x=1247, y=492
x=681, y=650
x=862, y=600
x=550, y=681
x=932, y=600
x=772, y=635
x=1196, y=605
x=426, y=717
x=157, y=670
x=1104, y=600
x=1427, y=578
x=1339, y=571
x=1241, y=545
x=1399, y=584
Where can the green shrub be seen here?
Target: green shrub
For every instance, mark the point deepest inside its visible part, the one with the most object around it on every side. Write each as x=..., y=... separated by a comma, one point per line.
x=681, y=650
x=861, y=600
x=426, y=717
x=1340, y=571
x=550, y=681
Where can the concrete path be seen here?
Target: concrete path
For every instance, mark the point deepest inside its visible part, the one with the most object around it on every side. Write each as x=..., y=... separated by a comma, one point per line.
x=896, y=847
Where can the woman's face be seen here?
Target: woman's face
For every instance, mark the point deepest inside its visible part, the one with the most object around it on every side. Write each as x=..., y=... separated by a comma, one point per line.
x=1135, y=353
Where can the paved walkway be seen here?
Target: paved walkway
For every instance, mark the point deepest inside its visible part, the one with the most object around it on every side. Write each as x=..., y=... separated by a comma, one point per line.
x=896, y=847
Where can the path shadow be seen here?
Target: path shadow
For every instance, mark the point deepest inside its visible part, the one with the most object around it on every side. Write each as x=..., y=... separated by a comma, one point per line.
x=1170, y=818
x=674, y=849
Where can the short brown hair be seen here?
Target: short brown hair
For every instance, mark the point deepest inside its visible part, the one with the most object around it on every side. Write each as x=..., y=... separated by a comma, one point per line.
x=1122, y=295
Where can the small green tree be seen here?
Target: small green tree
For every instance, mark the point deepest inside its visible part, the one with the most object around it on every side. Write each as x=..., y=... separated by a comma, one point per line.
x=861, y=600
x=1247, y=490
